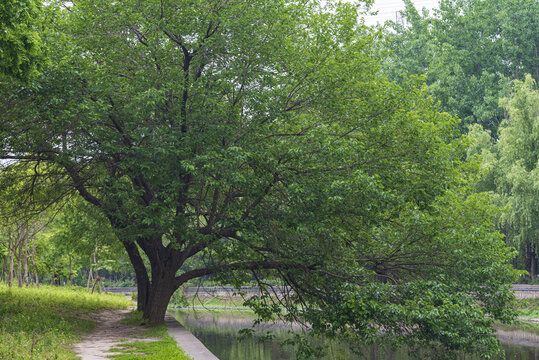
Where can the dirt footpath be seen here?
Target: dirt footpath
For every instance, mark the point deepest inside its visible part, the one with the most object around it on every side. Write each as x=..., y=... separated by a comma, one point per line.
x=109, y=331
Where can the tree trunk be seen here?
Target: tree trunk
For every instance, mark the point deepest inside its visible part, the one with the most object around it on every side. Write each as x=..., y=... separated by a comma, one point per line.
x=4, y=268
x=19, y=263
x=11, y=265
x=161, y=290
x=53, y=273
x=70, y=271
x=25, y=253
x=141, y=274
x=164, y=264
x=90, y=278
x=533, y=264
x=97, y=282
x=34, y=263
x=93, y=266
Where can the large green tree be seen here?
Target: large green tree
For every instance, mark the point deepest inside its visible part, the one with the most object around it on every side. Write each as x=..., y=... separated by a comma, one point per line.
x=469, y=51
x=260, y=138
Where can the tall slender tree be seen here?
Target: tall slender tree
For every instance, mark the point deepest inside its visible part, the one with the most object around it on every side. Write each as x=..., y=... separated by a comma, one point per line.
x=509, y=169
x=519, y=154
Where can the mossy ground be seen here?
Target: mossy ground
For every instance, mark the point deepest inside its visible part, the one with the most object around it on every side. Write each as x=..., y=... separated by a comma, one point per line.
x=42, y=323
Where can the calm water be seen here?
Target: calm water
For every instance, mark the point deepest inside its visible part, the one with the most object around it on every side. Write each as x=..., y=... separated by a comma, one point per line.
x=219, y=332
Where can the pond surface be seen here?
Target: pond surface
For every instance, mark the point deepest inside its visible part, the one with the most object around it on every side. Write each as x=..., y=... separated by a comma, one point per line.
x=219, y=333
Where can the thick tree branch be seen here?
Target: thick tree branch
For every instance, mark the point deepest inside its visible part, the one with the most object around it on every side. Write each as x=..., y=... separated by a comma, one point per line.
x=247, y=265
x=79, y=184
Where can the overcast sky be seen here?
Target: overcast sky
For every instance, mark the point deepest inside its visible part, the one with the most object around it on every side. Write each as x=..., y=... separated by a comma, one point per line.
x=388, y=8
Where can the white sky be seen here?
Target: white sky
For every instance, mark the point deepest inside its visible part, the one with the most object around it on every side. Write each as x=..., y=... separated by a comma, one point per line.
x=387, y=9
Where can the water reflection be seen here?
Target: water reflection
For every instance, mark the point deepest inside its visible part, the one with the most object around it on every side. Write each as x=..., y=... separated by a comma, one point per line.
x=219, y=332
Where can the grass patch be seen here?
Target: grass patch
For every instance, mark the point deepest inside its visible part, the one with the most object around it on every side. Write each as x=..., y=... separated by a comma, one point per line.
x=42, y=323
x=528, y=327
x=528, y=308
x=163, y=349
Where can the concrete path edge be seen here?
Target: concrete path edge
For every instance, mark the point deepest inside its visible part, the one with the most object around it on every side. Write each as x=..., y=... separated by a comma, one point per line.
x=187, y=341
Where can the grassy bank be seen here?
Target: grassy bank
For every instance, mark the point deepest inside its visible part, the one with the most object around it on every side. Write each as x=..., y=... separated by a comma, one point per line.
x=43, y=323
x=528, y=308
x=228, y=304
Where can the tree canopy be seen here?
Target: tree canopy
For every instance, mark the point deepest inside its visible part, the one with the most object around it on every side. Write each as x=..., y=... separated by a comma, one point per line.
x=260, y=138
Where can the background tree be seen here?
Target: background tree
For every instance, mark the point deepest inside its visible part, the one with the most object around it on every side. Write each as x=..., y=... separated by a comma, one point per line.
x=260, y=138
x=469, y=51
x=20, y=41
x=18, y=238
x=21, y=221
x=510, y=169
x=82, y=238
x=3, y=253
x=519, y=154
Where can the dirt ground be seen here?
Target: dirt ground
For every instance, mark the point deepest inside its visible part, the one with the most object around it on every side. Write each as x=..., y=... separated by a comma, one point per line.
x=109, y=331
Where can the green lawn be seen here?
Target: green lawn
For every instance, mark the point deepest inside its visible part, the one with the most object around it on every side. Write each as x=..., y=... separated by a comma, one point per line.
x=43, y=323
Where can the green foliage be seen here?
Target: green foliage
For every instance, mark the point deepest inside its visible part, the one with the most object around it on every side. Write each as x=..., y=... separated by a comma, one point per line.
x=78, y=231
x=435, y=306
x=178, y=299
x=468, y=50
x=20, y=41
x=41, y=323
